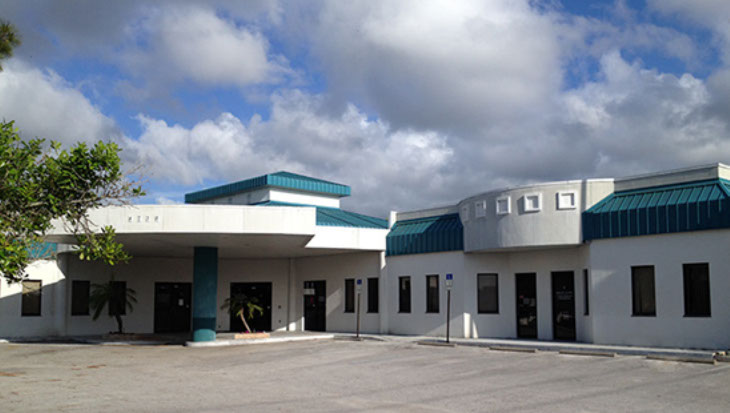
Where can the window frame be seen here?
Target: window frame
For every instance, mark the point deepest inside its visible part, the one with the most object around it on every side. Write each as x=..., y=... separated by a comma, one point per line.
x=401, y=294
x=373, y=281
x=573, y=205
x=687, y=298
x=480, y=209
x=496, y=293
x=433, y=301
x=74, y=283
x=526, y=204
x=23, y=296
x=508, y=202
x=637, y=312
x=349, y=295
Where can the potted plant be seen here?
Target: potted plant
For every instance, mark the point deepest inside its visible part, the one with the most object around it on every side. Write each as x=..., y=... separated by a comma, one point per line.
x=243, y=306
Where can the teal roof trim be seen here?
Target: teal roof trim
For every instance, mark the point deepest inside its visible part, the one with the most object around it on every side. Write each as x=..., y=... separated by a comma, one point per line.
x=281, y=179
x=424, y=235
x=335, y=217
x=692, y=206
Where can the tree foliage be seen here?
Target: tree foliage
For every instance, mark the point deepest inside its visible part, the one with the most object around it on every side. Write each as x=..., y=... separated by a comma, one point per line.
x=41, y=182
x=9, y=39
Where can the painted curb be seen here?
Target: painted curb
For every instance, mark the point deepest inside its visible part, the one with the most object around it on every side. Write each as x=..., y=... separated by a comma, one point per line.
x=249, y=342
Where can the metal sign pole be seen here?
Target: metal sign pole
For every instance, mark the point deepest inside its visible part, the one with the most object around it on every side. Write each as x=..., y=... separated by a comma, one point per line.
x=449, y=284
x=359, y=287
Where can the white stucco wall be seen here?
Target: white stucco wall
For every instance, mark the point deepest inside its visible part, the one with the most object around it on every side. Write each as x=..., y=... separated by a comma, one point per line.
x=611, y=261
x=418, y=266
x=51, y=320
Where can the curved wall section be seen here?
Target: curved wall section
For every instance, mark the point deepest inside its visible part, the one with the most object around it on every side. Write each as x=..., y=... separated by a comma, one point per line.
x=539, y=215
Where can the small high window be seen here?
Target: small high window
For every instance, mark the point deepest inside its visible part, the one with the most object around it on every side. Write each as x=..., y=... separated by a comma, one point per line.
x=696, y=290
x=349, y=295
x=404, y=294
x=432, y=293
x=31, y=298
x=487, y=293
x=567, y=200
x=503, y=206
x=480, y=209
x=642, y=291
x=373, y=295
x=80, y=297
x=532, y=202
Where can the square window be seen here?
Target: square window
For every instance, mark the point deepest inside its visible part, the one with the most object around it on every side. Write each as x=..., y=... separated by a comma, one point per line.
x=533, y=202
x=480, y=209
x=567, y=200
x=464, y=213
x=503, y=206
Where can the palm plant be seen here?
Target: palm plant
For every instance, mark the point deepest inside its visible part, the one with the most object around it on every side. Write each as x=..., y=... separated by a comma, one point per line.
x=243, y=306
x=116, y=296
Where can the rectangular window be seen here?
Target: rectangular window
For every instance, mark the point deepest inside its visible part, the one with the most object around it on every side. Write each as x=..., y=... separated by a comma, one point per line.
x=80, y=297
x=532, y=202
x=567, y=199
x=696, y=290
x=349, y=295
x=432, y=293
x=503, y=206
x=404, y=294
x=642, y=290
x=373, y=295
x=586, y=289
x=480, y=209
x=487, y=293
x=118, y=300
x=31, y=298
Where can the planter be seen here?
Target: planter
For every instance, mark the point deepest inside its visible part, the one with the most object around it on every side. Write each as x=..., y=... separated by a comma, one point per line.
x=246, y=336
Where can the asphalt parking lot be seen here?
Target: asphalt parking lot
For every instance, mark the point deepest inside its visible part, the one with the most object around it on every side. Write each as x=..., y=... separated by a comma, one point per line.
x=347, y=376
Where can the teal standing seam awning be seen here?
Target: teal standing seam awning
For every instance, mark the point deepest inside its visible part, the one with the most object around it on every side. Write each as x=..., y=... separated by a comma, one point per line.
x=424, y=235
x=693, y=206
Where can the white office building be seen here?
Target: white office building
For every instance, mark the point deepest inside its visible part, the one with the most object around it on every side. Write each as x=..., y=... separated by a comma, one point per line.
x=636, y=261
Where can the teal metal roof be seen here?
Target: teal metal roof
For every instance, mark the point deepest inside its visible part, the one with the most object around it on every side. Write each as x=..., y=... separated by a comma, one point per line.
x=42, y=250
x=423, y=235
x=335, y=217
x=281, y=179
x=663, y=209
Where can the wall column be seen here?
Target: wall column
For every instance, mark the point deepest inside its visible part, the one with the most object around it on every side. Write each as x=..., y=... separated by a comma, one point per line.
x=205, y=289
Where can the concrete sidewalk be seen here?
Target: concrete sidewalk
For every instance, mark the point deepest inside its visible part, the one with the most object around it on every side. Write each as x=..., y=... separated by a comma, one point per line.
x=571, y=348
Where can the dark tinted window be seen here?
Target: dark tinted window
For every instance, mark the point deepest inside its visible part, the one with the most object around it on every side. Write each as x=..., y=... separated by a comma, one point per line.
x=642, y=289
x=372, y=295
x=349, y=295
x=80, y=297
x=487, y=293
x=118, y=301
x=696, y=290
x=404, y=294
x=432, y=293
x=31, y=298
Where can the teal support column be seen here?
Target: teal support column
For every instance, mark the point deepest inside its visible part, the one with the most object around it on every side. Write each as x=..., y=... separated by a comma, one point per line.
x=205, y=293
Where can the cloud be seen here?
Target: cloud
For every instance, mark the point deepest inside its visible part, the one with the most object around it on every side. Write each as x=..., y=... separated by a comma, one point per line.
x=195, y=44
x=45, y=105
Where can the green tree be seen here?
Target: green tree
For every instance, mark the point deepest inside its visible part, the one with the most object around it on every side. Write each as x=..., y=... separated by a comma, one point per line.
x=9, y=39
x=114, y=295
x=41, y=182
x=243, y=306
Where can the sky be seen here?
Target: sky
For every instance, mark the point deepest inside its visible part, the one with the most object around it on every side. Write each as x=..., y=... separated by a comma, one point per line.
x=413, y=103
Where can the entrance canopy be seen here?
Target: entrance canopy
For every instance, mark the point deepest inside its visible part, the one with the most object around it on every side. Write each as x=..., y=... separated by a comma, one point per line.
x=238, y=231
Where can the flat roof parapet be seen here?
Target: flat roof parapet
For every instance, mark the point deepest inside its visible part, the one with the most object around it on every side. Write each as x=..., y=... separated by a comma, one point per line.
x=675, y=176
